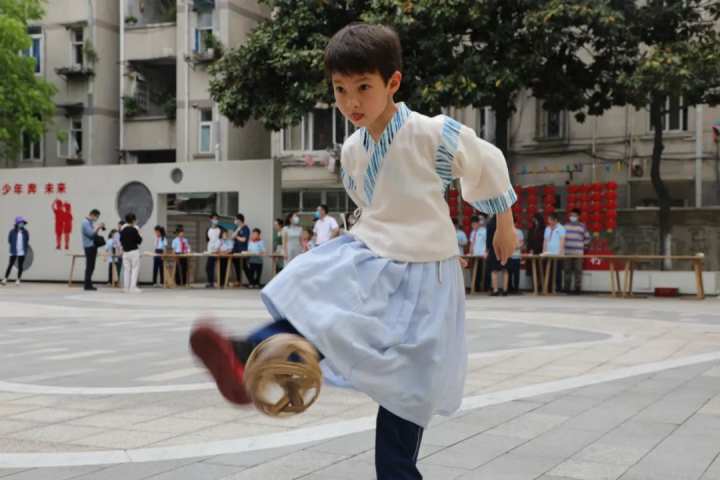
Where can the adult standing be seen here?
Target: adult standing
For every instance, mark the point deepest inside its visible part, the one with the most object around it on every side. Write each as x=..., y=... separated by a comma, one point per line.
x=89, y=233
x=326, y=227
x=478, y=248
x=213, y=248
x=493, y=262
x=130, y=240
x=535, y=239
x=577, y=238
x=292, y=246
x=554, y=244
x=241, y=237
x=19, y=240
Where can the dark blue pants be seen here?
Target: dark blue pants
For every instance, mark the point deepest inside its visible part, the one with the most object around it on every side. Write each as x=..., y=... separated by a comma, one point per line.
x=210, y=270
x=397, y=441
x=158, y=268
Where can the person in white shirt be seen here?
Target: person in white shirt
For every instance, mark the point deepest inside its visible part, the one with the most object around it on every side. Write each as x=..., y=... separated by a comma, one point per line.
x=326, y=227
x=478, y=240
x=515, y=261
x=554, y=244
x=181, y=246
x=385, y=303
x=213, y=247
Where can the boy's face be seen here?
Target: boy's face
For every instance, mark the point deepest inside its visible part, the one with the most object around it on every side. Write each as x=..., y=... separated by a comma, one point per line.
x=255, y=236
x=363, y=98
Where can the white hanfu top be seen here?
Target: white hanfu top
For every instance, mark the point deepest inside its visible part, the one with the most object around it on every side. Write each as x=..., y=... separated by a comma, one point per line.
x=399, y=183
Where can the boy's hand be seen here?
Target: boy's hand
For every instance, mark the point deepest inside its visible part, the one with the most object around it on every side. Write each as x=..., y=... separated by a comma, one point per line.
x=505, y=239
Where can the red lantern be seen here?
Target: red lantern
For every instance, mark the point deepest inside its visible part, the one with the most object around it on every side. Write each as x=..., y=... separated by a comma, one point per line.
x=584, y=216
x=611, y=213
x=612, y=204
x=549, y=209
x=612, y=186
x=596, y=227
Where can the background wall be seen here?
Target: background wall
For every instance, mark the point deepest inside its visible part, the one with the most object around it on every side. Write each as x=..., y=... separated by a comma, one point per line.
x=257, y=183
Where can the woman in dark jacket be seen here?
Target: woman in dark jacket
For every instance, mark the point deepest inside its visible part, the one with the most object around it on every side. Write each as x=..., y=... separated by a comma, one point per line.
x=19, y=240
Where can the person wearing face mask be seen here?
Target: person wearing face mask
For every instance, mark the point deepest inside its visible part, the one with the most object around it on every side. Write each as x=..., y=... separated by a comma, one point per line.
x=213, y=247
x=241, y=237
x=291, y=237
x=326, y=227
x=19, y=240
x=577, y=238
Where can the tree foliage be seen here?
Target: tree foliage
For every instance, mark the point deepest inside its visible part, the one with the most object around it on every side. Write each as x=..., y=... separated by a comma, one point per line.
x=25, y=100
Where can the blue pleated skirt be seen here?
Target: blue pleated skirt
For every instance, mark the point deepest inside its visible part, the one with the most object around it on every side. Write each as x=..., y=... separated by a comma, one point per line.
x=393, y=330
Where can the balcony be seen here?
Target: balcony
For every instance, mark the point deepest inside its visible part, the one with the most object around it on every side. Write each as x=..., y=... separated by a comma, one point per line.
x=152, y=43
x=75, y=72
x=149, y=133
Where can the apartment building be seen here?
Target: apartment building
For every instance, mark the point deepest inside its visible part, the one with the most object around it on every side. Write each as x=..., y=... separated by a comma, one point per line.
x=132, y=82
x=545, y=148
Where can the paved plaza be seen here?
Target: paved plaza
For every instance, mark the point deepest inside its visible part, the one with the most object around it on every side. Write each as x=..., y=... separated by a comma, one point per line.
x=102, y=386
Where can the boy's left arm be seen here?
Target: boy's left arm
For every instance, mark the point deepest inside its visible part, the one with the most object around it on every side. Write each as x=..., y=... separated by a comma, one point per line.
x=485, y=181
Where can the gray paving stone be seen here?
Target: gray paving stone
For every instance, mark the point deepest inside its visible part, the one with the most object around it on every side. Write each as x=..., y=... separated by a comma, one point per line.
x=589, y=470
x=512, y=467
x=197, y=470
x=135, y=471
x=560, y=443
x=569, y=405
x=680, y=457
x=473, y=452
x=529, y=425
x=64, y=473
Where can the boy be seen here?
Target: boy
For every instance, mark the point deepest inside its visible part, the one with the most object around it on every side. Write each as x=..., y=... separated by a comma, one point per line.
x=181, y=246
x=255, y=263
x=384, y=304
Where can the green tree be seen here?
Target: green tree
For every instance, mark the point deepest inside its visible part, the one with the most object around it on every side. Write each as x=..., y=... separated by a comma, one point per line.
x=26, y=105
x=679, y=59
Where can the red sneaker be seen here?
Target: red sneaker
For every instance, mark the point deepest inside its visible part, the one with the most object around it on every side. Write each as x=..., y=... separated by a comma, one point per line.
x=217, y=353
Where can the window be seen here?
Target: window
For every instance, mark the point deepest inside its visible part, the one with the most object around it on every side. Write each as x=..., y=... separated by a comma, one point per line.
x=203, y=31
x=675, y=118
x=551, y=123
x=141, y=93
x=73, y=146
x=35, y=49
x=77, y=40
x=206, y=131
x=308, y=201
x=32, y=151
x=319, y=130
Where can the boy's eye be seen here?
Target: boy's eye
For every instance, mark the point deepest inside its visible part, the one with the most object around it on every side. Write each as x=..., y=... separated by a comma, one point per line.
x=339, y=89
x=364, y=87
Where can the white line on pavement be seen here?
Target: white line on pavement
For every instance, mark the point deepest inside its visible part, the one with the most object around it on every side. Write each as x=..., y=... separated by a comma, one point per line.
x=324, y=432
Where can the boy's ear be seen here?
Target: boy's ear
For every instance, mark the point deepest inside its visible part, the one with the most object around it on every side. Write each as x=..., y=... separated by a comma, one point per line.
x=394, y=82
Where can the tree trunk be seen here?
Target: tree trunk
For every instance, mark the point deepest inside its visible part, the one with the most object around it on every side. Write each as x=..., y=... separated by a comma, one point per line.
x=663, y=195
x=502, y=120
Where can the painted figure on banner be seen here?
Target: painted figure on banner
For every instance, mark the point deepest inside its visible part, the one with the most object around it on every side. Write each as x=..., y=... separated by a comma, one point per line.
x=63, y=224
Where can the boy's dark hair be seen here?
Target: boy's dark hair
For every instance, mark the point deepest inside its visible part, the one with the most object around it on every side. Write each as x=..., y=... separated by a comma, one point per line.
x=474, y=219
x=214, y=215
x=280, y=221
x=553, y=215
x=257, y=230
x=179, y=229
x=95, y=212
x=324, y=208
x=363, y=48
x=240, y=217
x=130, y=218
x=575, y=210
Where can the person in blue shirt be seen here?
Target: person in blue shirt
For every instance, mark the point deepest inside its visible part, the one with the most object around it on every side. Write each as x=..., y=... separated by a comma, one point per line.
x=19, y=240
x=461, y=237
x=255, y=263
x=89, y=232
x=554, y=244
x=160, y=247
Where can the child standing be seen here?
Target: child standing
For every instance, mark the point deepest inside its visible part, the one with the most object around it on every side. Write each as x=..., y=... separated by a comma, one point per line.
x=384, y=304
x=112, y=248
x=160, y=246
x=181, y=246
x=255, y=263
x=226, y=248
